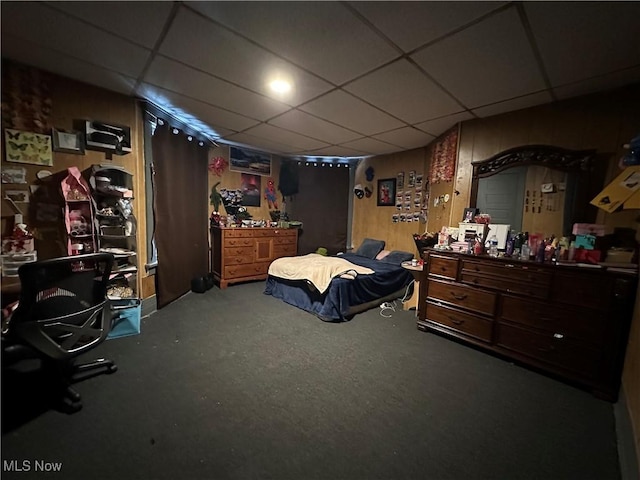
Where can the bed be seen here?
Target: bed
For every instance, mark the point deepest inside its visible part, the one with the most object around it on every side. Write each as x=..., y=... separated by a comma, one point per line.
x=372, y=279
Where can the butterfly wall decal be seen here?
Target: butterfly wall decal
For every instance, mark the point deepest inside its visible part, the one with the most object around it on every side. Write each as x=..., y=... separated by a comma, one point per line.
x=18, y=146
x=14, y=135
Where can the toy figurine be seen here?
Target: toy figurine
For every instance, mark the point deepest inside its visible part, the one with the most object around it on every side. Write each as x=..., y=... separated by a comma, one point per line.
x=270, y=194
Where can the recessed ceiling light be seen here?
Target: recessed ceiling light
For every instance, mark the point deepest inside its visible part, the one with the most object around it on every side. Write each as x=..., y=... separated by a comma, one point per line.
x=280, y=86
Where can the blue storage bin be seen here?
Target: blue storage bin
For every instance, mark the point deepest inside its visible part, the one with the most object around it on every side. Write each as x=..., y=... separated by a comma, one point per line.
x=126, y=317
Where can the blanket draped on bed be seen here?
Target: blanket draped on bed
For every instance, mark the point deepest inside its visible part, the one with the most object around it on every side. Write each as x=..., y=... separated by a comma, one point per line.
x=316, y=269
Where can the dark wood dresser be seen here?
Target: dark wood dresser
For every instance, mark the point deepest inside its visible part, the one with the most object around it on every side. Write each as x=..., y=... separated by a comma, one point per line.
x=569, y=321
x=241, y=254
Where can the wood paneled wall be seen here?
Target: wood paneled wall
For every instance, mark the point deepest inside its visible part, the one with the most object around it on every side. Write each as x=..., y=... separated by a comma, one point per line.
x=71, y=100
x=372, y=221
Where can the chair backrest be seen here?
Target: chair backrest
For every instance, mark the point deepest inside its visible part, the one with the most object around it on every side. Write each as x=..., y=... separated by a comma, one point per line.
x=63, y=308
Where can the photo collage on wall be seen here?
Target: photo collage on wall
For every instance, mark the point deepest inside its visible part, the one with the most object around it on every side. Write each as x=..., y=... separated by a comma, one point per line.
x=411, y=201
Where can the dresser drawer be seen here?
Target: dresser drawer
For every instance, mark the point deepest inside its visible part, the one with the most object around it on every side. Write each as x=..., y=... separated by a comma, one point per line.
x=230, y=260
x=587, y=325
x=510, y=271
x=585, y=290
x=506, y=285
x=443, y=267
x=238, y=233
x=468, y=324
x=246, y=270
x=287, y=250
x=473, y=299
x=238, y=242
x=549, y=348
x=284, y=240
x=239, y=251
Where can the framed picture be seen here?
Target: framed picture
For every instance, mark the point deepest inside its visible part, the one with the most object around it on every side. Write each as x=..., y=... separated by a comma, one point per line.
x=387, y=192
x=28, y=147
x=249, y=161
x=251, y=190
x=67, y=142
x=469, y=215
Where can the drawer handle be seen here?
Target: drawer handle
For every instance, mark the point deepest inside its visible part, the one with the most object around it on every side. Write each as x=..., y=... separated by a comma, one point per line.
x=546, y=350
x=558, y=336
x=456, y=321
x=509, y=265
x=459, y=297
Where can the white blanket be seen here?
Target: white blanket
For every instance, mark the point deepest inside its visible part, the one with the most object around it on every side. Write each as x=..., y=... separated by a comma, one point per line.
x=315, y=269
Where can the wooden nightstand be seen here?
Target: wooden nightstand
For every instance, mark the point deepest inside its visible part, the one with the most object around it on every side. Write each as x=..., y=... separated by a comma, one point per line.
x=413, y=301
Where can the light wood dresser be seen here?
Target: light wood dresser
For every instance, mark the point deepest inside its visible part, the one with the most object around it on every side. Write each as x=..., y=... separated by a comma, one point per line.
x=567, y=321
x=242, y=254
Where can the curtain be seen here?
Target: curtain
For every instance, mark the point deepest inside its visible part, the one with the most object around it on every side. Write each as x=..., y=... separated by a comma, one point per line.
x=322, y=205
x=181, y=213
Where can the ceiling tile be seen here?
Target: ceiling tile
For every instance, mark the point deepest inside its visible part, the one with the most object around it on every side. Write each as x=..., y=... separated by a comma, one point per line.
x=26, y=52
x=407, y=137
x=338, y=151
x=413, y=24
x=122, y=18
x=343, y=109
x=58, y=32
x=604, y=37
x=371, y=146
x=226, y=55
x=284, y=136
x=405, y=92
x=322, y=37
x=266, y=144
x=212, y=116
x=305, y=124
x=440, y=125
x=179, y=78
x=598, y=84
x=513, y=104
x=485, y=63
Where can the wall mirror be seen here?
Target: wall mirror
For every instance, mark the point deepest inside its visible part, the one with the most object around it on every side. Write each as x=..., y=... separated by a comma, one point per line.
x=537, y=188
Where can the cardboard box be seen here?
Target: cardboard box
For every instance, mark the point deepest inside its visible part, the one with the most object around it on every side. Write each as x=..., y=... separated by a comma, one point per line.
x=588, y=229
x=619, y=190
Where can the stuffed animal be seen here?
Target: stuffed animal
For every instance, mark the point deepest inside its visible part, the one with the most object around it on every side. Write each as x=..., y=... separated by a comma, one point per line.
x=270, y=194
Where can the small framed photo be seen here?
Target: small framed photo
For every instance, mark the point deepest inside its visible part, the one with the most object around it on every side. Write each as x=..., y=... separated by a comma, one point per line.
x=67, y=142
x=387, y=192
x=469, y=215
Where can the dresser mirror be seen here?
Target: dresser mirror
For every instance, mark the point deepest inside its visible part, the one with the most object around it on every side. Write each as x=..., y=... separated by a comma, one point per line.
x=537, y=188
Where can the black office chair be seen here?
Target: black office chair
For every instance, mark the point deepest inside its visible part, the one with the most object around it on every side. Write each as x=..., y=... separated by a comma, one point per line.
x=62, y=313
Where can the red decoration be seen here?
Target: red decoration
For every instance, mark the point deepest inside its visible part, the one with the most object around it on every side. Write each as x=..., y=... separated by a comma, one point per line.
x=270, y=194
x=218, y=165
x=444, y=156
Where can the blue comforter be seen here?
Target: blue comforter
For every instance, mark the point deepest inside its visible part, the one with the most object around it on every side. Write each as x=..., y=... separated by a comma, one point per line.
x=343, y=293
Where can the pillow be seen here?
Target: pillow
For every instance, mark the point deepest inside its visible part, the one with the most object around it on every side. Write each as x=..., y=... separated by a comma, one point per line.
x=382, y=254
x=396, y=257
x=370, y=248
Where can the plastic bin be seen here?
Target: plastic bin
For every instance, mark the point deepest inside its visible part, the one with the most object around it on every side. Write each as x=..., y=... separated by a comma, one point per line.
x=126, y=318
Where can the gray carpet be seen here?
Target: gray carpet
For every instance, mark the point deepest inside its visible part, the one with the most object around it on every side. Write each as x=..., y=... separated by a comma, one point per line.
x=235, y=384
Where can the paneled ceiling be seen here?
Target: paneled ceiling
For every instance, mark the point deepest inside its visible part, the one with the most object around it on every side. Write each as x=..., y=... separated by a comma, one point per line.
x=369, y=78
